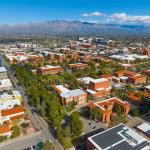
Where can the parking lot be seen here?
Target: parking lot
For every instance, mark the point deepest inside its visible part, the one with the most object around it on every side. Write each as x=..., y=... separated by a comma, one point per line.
x=90, y=125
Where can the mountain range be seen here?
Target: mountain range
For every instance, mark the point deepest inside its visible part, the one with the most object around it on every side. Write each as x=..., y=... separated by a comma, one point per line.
x=75, y=28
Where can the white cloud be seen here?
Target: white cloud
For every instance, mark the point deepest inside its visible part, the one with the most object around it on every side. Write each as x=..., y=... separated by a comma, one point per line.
x=93, y=14
x=123, y=18
x=89, y=21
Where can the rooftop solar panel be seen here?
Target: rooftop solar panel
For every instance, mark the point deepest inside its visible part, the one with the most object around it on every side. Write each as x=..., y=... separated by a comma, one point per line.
x=108, y=138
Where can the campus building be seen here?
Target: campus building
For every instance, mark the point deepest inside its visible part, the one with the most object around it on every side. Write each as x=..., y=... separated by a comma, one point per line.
x=96, y=87
x=67, y=96
x=60, y=57
x=49, y=70
x=106, y=107
x=15, y=58
x=36, y=60
x=78, y=66
x=129, y=77
x=120, y=137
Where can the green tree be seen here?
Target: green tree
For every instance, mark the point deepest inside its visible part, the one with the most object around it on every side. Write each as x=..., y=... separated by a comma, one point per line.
x=67, y=131
x=15, y=131
x=75, y=124
x=97, y=114
x=3, y=138
x=48, y=146
x=118, y=110
x=66, y=142
x=136, y=112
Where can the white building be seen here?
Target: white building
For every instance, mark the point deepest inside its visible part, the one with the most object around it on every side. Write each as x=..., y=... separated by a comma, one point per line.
x=5, y=84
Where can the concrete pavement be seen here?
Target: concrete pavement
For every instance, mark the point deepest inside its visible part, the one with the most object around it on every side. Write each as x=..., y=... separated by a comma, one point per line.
x=22, y=142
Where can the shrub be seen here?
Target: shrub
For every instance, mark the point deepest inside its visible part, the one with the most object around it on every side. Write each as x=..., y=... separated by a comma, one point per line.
x=15, y=131
x=3, y=138
x=25, y=124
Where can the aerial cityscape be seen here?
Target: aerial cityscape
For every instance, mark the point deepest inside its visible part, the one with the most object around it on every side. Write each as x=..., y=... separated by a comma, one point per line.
x=75, y=75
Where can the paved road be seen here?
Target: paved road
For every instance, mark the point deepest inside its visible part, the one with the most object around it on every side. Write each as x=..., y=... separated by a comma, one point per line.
x=38, y=122
x=23, y=142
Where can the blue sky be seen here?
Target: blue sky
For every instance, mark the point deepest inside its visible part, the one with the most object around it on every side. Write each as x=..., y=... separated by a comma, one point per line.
x=25, y=11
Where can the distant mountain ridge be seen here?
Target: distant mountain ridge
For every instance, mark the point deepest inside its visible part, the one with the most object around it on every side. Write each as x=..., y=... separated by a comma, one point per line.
x=63, y=27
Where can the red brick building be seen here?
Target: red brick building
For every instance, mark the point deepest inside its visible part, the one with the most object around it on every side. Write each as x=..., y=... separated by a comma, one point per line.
x=36, y=60
x=60, y=57
x=146, y=51
x=106, y=107
x=137, y=79
x=129, y=77
x=49, y=70
x=67, y=96
x=146, y=72
x=98, y=87
x=77, y=66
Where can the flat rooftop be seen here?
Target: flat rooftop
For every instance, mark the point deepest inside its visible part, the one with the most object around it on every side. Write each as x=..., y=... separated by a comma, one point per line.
x=3, y=69
x=62, y=88
x=87, y=80
x=119, y=137
x=145, y=127
x=5, y=83
x=147, y=87
x=50, y=67
x=72, y=93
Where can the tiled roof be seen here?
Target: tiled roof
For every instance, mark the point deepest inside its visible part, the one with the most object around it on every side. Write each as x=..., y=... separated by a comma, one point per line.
x=11, y=111
x=4, y=129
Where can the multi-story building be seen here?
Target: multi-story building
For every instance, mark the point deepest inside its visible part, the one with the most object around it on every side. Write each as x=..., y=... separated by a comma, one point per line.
x=15, y=59
x=36, y=59
x=120, y=137
x=77, y=66
x=49, y=70
x=106, y=107
x=60, y=57
x=129, y=77
x=137, y=79
x=67, y=96
x=99, y=87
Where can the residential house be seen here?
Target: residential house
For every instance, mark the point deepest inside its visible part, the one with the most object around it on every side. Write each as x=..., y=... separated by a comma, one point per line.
x=5, y=130
x=11, y=114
